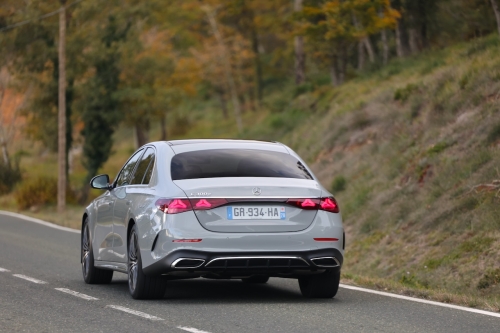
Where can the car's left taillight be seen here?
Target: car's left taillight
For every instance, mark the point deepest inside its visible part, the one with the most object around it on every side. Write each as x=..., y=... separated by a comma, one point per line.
x=174, y=206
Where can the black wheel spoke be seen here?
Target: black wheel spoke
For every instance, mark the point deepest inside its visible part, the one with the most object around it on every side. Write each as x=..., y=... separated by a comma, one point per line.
x=132, y=262
x=85, y=251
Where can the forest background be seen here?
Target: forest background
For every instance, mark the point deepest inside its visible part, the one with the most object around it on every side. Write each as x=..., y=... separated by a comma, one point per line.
x=393, y=103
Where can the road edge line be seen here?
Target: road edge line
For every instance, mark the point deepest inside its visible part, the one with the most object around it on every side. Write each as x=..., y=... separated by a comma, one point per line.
x=134, y=312
x=77, y=294
x=29, y=278
x=420, y=300
x=38, y=221
x=191, y=329
x=382, y=293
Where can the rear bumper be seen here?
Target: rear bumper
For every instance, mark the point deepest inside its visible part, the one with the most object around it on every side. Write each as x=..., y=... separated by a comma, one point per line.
x=192, y=263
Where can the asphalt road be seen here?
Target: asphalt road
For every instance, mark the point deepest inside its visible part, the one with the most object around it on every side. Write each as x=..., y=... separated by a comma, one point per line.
x=51, y=257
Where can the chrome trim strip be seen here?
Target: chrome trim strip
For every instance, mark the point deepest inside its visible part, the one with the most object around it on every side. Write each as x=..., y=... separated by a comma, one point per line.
x=267, y=257
x=180, y=259
x=248, y=197
x=111, y=265
x=334, y=259
x=253, y=197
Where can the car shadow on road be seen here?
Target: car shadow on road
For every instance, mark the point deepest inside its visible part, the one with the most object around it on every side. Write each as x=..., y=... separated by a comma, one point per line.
x=233, y=291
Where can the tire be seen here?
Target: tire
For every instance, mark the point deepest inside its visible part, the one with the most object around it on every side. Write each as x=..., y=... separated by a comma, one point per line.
x=91, y=274
x=257, y=279
x=140, y=285
x=323, y=285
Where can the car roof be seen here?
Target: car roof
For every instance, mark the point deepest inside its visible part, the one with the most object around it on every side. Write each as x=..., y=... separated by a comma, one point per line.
x=181, y=146
x=198, y=141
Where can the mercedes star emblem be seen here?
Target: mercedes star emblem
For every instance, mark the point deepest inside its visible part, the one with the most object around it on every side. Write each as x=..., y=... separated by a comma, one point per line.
x=256, y=191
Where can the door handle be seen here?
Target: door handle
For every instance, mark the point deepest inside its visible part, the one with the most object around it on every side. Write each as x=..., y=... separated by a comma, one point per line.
x=128, y=202
x=110, y=203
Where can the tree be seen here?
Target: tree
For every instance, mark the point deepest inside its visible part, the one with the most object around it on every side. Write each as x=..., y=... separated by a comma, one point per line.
x=334, y=27
x=100, y=111
x=62, y=153
x=300, y=56
x=228, y=73
x=496, y=10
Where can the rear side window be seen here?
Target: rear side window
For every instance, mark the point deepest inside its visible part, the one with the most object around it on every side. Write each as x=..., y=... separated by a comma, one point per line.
x=146, y=162
x=123, y=177
x=218, y=163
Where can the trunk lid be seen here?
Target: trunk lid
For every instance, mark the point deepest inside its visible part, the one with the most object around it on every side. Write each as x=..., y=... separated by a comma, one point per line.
x=258, y=200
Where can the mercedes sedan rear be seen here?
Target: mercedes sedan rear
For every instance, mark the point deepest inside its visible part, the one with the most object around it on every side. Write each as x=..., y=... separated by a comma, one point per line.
x=217, y=209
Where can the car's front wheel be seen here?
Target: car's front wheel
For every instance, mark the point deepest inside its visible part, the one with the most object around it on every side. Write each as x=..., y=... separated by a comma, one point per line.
x=324, y=285
x=140, y=285
x=91, y=274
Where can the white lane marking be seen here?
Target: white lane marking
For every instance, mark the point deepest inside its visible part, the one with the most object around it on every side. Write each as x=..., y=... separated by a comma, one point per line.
x=419, y=300
x=34, y=220
x=4, y=270
x=29, y=279
x=77, y=294
x=134, y=312
x=191, y=329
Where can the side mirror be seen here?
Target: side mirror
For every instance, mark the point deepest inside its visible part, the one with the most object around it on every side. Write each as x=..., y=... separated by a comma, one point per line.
x=100, y=182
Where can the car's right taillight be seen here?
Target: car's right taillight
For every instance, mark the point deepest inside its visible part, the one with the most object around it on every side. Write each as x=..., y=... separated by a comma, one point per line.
x=329, y=205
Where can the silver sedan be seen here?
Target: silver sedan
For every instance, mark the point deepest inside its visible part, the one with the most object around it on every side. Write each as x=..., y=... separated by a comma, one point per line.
x=219, y=209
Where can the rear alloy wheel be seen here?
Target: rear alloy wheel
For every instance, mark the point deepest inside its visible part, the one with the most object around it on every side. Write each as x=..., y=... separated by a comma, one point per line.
x=140, y=285
x=256, y=279
x=324, y=285
x=92, y=274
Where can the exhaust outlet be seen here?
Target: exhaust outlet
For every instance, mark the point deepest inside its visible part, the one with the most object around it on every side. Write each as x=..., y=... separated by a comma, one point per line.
x=330, y=262
x=190, y=263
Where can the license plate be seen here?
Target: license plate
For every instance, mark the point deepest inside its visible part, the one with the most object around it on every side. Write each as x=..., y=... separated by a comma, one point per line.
x=256, y=213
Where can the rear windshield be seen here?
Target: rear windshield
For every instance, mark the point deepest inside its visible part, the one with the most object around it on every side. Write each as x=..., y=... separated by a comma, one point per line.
x=218, y=163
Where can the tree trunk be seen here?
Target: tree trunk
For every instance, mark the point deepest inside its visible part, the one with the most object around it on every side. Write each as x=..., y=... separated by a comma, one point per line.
x=369, y=49
x=400, y=50
x=222, y=100
x=227, y=66
x=413, y=40
x=61, y=158
x=141, y=134
x=3, y=141
x=385, y=47
x=258, y=65
x=300, y=57
x=365, y=40
x=69, y=127
x=163, y=125
x=496, y=9
x=342, y=65
x=5, y=153
x=361, y=56
x=334, y=76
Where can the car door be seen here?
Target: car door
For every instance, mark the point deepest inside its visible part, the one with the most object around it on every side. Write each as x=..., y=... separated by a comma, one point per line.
x=118, y=193
x=103, y=235
x=132, y=198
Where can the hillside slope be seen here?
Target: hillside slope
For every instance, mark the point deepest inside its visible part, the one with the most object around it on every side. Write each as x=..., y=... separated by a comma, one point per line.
x=412, y=152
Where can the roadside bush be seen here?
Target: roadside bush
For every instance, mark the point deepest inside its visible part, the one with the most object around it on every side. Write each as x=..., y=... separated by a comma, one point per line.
x=37, y=191
x=338, y=184
x=402, y=94
x=494, y=134
x=490, y=278
x=9, y=176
